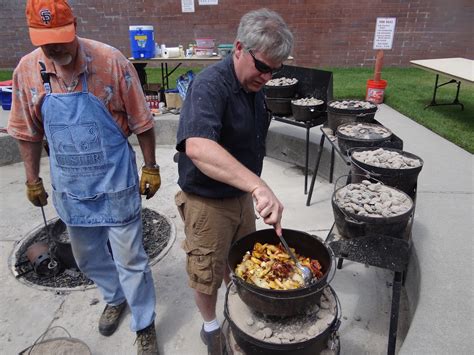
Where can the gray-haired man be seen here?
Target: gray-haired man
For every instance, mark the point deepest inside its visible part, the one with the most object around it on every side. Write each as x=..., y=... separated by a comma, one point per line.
x=221, y=138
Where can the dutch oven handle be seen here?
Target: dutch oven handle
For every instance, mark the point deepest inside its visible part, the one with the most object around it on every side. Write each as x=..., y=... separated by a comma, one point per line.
x=366, y=176
x=334, y=262
x=351, y=221
x=362, y=115
x=233, y=278
x=349, y=151
x=337, y=180
x=369, y=174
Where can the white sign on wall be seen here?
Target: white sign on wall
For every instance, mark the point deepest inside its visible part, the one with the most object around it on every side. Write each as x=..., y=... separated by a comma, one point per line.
x=187, y=5
x=208, y=2
x=384, y=31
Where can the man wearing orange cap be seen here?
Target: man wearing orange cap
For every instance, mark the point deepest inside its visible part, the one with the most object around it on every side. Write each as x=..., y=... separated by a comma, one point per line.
x=85, y=97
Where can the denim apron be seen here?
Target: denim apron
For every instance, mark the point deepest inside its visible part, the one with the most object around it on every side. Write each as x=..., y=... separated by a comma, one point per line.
x=93, y=170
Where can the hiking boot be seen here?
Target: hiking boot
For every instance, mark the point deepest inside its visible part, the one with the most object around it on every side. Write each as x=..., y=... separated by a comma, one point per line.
x=110, y=318
x=215, y=341
x=146, y=339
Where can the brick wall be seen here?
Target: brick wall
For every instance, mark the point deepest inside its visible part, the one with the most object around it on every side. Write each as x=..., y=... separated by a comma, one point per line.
x=327, y=33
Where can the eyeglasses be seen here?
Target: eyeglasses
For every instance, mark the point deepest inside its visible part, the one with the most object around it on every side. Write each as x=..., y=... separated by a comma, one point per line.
x=262, y=67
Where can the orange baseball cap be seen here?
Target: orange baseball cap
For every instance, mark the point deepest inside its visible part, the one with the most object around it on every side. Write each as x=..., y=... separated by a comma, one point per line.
x=50, y=21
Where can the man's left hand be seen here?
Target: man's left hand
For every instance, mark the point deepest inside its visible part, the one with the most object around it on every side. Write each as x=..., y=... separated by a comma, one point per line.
x=150, y=181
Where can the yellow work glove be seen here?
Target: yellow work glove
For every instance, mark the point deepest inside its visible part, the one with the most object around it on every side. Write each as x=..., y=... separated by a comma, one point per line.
x=36, y=193
x=150, y=181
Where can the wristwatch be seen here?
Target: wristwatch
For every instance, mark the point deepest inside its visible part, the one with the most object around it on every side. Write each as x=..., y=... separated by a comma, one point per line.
x=154, y=166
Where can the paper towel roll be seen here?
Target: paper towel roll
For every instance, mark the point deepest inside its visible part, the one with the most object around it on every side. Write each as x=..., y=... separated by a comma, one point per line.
x=171, y=52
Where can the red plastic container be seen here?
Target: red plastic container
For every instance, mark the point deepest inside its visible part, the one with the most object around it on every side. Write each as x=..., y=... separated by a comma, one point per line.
x=375, y=91
x=203, y=52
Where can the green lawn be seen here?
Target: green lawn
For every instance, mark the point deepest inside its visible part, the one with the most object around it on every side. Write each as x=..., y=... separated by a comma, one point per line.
x=5, y=75
x=408, y=91
x=154, y=75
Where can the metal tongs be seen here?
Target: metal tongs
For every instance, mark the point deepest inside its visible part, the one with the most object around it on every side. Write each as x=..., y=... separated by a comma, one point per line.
x=305, y=271
x=53, y=263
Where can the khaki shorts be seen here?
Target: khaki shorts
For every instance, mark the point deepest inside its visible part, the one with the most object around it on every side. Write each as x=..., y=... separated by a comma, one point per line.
x=211, y=226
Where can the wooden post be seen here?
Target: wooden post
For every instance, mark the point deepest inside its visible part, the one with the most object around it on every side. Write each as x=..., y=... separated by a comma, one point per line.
x=378, y=65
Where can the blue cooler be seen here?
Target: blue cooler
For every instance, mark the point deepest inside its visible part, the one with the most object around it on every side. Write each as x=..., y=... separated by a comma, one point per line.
x=6, y=97
x=142, y=40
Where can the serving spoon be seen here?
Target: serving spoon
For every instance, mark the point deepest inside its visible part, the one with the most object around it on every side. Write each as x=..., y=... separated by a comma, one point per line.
x=305, y=271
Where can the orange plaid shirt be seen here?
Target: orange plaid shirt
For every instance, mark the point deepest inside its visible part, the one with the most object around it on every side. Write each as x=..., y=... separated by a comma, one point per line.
x=110, y=77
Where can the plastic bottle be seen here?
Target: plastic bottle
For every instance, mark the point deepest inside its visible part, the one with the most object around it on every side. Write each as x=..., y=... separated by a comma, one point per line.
x=157, y=50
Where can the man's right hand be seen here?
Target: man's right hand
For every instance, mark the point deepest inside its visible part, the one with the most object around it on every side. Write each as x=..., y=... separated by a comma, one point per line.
x=36, y=193
x=268, y=206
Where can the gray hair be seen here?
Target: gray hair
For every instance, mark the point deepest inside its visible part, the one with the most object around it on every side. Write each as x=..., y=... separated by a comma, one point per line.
x=265, y=31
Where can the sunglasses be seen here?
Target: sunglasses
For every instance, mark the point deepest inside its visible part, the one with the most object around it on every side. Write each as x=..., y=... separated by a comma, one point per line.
x=262, y=67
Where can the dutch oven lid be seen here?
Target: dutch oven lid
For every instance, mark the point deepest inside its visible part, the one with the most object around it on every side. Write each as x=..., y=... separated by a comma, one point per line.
x=363, y=131
x=279, y=99
x=382, y=203
x=386, y=158
x=349, y=106
x=307, y=102
x=283, y=82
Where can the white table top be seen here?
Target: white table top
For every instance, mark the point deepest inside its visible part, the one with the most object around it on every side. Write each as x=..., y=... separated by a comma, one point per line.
x=193, y=59
x=457, y=68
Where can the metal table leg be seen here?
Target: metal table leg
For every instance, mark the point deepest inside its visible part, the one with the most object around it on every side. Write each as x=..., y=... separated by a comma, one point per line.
x=331, y=167
x=339, y=263
x=306, y=162
x=433, y=100
x=163, y=75
x=315, y=173
x=456, y=99
x=396, y=291
x=140, y=68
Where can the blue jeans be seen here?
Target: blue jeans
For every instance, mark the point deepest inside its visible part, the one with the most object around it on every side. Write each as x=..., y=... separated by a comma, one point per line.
x=126, y=276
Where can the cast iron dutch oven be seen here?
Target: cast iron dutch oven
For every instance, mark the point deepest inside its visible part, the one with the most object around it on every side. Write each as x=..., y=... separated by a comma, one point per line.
x=402, y=179
x=308, y=113
x=279, y=106
x=281, y=91
x=338, y=116
x=346, y=142
x=282, y=303
x=62, y=247
x=352, y=225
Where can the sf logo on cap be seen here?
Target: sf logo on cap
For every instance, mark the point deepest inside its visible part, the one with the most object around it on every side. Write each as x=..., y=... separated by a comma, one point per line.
x=45, y=15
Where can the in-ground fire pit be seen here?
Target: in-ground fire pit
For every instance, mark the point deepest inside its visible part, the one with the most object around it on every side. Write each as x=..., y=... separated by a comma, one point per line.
x=251, y=332
x=158, y=236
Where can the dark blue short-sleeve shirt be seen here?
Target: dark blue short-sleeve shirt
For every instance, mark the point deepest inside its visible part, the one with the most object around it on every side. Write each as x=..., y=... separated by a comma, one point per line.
x=218, y=108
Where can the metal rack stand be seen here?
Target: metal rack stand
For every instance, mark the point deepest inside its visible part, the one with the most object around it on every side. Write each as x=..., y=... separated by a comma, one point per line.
x=327, y=133
x=381, y=251
x=308, y=125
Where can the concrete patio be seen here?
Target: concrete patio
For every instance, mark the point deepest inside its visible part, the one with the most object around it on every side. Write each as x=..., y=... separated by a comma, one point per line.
x=436, y=309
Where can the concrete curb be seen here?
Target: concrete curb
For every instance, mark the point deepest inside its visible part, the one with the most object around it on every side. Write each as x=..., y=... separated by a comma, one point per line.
x=284, y=142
